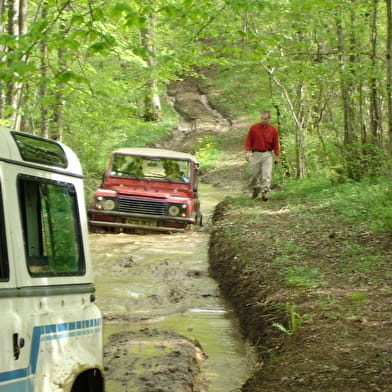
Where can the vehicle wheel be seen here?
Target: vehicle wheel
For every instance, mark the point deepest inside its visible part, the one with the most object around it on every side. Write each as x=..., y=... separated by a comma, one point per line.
x=199, y=219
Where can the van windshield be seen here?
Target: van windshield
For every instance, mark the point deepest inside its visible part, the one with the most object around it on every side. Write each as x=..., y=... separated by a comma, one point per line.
x=51, y=227
x=166, y=169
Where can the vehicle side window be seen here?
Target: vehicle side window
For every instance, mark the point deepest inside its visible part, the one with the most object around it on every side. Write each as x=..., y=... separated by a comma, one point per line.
x=51, y=227
x=4, y=268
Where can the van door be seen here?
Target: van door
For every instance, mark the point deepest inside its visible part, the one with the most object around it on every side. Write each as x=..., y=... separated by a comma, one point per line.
x=13, y=369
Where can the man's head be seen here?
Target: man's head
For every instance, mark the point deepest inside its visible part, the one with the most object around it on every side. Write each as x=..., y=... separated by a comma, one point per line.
x=265, y=117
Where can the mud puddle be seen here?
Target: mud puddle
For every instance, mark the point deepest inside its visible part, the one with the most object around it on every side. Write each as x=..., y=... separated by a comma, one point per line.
x=166, y=326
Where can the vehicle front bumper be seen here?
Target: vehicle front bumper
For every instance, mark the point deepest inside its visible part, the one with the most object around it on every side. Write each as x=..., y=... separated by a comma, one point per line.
x=142, y=217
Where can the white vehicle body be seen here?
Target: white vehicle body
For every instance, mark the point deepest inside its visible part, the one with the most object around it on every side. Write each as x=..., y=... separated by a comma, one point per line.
x=51, y=329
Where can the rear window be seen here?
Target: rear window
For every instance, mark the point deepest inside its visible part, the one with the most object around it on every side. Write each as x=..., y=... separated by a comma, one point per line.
x=51, y=227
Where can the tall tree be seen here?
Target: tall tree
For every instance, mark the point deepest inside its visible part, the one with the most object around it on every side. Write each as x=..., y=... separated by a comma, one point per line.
x=152, y=100
x=389, y=72
x=3, y=7
x=375, y=111
x=17, y=26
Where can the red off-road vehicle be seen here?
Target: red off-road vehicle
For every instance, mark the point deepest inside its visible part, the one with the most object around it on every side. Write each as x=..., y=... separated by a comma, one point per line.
x=148, y=189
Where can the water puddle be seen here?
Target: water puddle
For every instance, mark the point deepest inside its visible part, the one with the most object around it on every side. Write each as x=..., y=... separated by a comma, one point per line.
x=160, y=281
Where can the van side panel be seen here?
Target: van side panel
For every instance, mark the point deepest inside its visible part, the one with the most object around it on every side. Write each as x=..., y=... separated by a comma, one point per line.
x=51, y=329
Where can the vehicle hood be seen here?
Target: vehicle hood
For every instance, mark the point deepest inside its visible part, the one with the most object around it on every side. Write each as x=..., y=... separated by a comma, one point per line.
x=150, y=192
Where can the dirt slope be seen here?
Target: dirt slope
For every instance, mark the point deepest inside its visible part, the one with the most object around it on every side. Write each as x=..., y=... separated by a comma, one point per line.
x=318, y=323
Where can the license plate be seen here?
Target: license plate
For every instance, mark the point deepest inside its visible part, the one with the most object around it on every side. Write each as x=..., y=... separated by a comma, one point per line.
x=141, y=222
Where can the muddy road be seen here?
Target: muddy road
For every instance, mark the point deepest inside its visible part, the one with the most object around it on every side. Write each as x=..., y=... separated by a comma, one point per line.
x=166, y=326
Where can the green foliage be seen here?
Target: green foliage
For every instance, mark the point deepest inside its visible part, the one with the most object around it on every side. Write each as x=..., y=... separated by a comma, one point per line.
x=294, y=320
x=302, y=277
x=97, y=65
x=357, y=296
x=362, y=202
x=208, y=152
x=236, y=93
x=97, y=140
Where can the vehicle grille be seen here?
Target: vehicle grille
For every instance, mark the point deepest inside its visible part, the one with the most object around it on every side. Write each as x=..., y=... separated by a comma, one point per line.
x=134, y=206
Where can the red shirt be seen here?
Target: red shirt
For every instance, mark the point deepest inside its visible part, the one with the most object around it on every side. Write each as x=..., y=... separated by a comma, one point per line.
x=262, y=138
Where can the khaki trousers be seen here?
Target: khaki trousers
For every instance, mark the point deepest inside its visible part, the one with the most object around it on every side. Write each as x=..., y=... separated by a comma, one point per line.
x=261, y=171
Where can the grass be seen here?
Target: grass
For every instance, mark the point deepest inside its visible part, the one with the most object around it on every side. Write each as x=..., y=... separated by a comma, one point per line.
x=367, y=201
x=208, y=152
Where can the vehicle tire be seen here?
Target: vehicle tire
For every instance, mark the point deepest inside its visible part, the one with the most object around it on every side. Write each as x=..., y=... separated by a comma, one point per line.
x=199, y=219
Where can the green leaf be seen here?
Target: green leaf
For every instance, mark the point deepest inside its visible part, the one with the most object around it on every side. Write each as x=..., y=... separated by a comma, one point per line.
x=77, y=20
x=119, y=9
x=281, y=328
x=98, y=47
x=66, y=76
x=7, y=40
x=170, y=10
x=133, y=19
x=141, y=52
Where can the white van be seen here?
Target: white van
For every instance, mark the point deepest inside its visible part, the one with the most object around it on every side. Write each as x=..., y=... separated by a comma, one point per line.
x=51, y=329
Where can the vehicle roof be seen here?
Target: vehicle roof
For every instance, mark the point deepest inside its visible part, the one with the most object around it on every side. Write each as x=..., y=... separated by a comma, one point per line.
x=10, y=151
x=155, y=153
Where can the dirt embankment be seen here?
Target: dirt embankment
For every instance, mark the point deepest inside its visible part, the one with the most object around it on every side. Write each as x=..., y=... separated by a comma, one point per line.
x=312, y=294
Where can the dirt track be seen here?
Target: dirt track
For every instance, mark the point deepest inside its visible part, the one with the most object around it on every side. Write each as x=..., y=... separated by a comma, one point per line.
x=166, y=326
x=149, y=359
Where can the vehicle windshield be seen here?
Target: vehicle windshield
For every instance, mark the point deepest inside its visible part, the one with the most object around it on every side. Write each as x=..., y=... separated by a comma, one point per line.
x=166, y=169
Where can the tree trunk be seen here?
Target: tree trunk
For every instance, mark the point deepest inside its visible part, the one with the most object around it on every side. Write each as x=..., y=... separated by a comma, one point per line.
x=152, y=104
x=389, y=75
x=17, y=25
x=375, y=120
x=299, y=132
x=347, y=61
x=43, y=88
x=3, y=7
x=59, y=108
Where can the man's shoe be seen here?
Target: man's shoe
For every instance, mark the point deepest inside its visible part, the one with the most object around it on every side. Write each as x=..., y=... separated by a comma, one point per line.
x=265, y=196
x=255, y=192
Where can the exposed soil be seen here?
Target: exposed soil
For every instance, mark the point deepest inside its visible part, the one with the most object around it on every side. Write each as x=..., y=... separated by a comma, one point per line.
x=329, y=332
x=173, y=363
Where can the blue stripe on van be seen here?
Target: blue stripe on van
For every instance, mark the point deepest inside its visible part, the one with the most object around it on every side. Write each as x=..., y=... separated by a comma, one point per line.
x=23, y=385
x=52, y=331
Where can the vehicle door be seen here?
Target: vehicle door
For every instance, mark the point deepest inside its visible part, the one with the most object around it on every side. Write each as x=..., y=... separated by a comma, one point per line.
x=13, y=365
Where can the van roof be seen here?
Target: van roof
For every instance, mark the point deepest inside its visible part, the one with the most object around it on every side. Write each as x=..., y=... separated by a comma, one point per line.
x=155, y=153
x=37, y=151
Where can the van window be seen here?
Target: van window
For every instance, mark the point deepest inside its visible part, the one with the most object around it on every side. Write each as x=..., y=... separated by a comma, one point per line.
x=51, y=227
x=35, y=149
x=4, y=269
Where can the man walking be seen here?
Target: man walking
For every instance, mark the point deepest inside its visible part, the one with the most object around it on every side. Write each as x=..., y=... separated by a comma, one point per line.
x=262, y=139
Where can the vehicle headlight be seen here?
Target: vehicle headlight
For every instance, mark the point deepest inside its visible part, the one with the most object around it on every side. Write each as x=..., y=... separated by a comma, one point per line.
x=174, y=210
x=109, y=204
x=105, y=204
